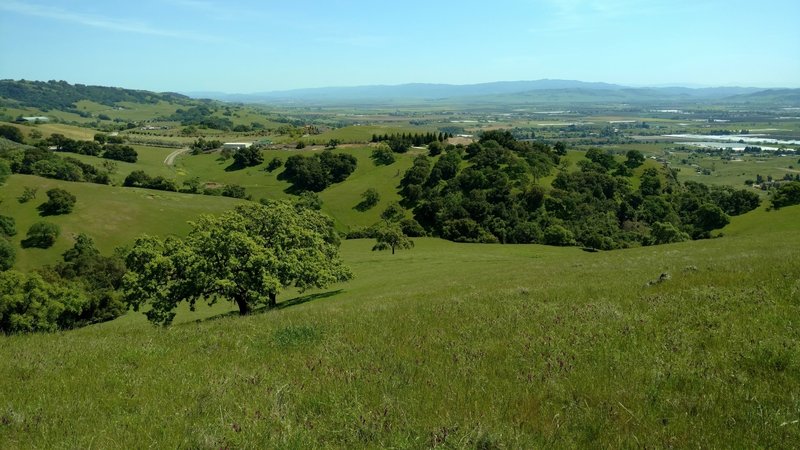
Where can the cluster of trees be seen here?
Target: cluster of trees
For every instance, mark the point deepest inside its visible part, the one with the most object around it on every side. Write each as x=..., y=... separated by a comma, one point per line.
x=248, y=157
x=62, y=95
x=247, y=256
x=58, y=202
x=317, y=172
x=140, y=179
x=201, y=116
x=495, y=198
x=45, y=163
x=80, y=290
x=400, y=143
x=415, y=139
x=382, y=155
x=8, y=253
x=786, y=194
x=12, y=133
x=201, y=145
x=109, y=147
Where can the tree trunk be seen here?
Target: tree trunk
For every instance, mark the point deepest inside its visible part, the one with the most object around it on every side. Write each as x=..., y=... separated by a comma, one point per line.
x=272, y=299
x=244, y=307
x=393, y=249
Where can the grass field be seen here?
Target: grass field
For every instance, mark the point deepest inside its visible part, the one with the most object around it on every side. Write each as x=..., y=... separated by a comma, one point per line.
x=112, y=216
x=452, y=345
x=338, y=200
x=445, y=345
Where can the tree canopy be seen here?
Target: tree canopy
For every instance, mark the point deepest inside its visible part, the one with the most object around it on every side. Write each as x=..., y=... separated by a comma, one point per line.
x=246, y=256
x=389, y=236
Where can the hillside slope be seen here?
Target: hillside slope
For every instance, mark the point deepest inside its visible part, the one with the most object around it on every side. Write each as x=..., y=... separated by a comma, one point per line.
x=458, y=345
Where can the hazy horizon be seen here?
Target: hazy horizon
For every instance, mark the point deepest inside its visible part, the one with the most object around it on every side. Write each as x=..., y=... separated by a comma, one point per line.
x=244, y=46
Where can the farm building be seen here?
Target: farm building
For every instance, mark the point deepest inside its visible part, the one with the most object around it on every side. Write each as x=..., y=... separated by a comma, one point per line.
x=236, y=145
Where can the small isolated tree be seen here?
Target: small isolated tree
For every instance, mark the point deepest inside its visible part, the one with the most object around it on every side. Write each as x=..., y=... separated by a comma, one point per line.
x=382, y=155
x=246, y=256
x=333, y=143
x=369, y=199
x=41, y=235
x=390, y=236
x=274, y=163
x=60, y=202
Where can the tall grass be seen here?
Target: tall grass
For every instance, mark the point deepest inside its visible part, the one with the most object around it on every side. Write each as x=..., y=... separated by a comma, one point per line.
x=452, y=345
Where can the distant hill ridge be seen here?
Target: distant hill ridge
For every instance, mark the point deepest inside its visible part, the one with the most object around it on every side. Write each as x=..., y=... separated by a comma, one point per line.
x=62, y=95
x=546, y=90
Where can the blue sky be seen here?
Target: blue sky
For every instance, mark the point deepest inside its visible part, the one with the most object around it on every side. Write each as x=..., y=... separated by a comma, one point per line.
x=247, y=46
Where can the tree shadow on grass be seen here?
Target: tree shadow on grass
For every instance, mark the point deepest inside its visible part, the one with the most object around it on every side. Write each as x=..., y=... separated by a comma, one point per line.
x=364, y=206
x=281, y=305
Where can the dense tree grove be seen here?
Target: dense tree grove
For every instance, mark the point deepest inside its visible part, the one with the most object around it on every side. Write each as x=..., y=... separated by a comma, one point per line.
x=201, y=116
x=248, y=157
x=246, y=256
x=495, y=198
x=400, y=143
x=11, y=133
x=786, y=194
x=78, y=291
x=8, y=254
x=117, y=152
x=62, y=95
x=317, y=172
x=45, y=163
x=138, y=178
x=201, y=145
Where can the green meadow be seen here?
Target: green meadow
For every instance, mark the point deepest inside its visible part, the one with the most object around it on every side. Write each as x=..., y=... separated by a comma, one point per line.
x=112, y=216
x=445, y=345
x=451, y=345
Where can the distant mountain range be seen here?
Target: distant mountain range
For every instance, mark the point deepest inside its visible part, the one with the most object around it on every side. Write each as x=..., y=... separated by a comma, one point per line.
x=62, y=95
x=510, y=92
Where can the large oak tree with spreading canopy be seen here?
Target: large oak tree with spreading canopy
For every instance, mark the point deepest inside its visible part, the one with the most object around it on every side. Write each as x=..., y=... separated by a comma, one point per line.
x=246, y=256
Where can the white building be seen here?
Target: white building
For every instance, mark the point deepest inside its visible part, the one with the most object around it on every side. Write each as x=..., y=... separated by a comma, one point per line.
x=236, y=145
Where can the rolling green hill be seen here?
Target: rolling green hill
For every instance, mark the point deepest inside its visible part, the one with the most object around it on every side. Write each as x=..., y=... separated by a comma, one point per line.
x=451, y=345
x=457, y=345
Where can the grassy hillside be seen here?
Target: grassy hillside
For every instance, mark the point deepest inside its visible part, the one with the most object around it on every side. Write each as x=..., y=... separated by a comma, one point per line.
x=112, y=216
x=449, y=344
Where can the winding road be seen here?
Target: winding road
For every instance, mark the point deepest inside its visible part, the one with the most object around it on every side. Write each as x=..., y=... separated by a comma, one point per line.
x=170, y=159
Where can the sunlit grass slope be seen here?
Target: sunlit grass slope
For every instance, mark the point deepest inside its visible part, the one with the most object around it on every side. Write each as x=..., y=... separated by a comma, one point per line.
x=112, y=216
x=453, y=345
